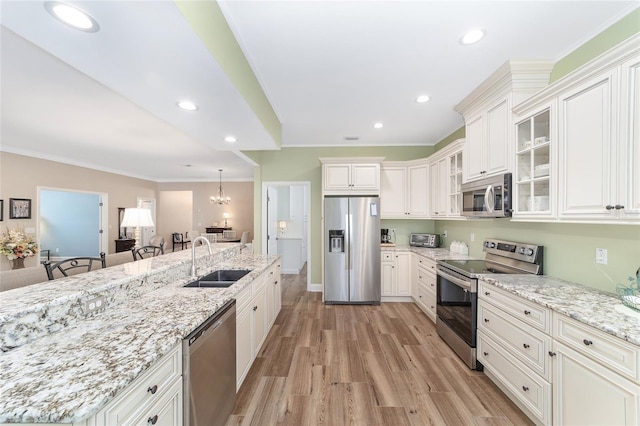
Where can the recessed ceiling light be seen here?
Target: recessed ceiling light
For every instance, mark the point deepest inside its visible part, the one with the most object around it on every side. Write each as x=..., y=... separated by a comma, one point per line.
x=473, y=36
x=422, y=99
x=230, y=139
x=378, y=126
x=72, y=16
x=187, y=106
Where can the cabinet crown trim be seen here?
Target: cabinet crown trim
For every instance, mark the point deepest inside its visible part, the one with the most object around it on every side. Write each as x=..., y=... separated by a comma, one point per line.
x=517, y=76
x=350, y=160
x=607, y=60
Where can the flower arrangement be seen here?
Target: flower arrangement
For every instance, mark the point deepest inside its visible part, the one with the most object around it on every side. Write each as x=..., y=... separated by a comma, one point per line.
x=15, y=244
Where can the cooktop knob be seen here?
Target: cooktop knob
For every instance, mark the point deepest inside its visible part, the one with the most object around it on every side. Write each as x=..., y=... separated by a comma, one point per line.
x=529, y=252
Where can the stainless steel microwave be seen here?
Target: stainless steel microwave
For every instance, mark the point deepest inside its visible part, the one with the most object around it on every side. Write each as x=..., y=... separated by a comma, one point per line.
x=489, y=197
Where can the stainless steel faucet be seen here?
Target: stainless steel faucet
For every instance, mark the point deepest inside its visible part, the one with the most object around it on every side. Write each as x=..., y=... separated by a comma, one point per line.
x=194, y=270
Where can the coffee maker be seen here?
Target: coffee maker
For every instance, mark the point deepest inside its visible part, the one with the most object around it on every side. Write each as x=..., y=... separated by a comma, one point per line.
x=384, y=235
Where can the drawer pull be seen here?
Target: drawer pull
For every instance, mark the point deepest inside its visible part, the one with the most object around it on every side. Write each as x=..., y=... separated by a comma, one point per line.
x=153, y=389
x=433, y=307
x=255, y=308
x=552, y=353
x=587, y=342
x=485, y=353
x=524, y=345
x=431, y=284
x=275, y=282
x=486, y=293
x=525, y=388
x=152, y=420
x=486, y=320
x=420, y=276
x=527, y=312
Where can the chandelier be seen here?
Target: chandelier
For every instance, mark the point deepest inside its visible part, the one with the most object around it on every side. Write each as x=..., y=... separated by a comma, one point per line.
x=220, y=199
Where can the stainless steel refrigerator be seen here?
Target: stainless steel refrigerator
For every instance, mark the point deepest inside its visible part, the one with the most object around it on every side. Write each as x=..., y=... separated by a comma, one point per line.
x=352, y=250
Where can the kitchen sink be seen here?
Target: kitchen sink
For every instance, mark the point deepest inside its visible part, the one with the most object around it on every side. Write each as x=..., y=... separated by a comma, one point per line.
x=221, y=278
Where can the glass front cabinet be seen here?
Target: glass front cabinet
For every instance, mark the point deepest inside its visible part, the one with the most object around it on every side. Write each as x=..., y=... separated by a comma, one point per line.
x=534, y=172
x=455, y=183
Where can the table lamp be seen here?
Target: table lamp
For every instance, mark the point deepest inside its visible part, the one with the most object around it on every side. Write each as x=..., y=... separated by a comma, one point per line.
x=137, y=218
x=226, y=216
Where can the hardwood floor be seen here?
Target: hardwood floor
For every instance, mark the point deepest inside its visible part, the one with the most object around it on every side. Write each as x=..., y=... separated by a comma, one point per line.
x=362, y=365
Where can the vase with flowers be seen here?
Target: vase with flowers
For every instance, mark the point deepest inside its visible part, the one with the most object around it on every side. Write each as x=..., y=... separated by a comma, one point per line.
x=17, y=246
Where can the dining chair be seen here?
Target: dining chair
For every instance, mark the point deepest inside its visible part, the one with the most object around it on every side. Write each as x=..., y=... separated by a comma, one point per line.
x=74, y=265
x=244, y=239
x=146, y=252
x=178, y=239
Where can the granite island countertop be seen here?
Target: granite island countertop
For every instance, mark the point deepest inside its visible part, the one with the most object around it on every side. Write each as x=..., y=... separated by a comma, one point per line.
x=69, y=375
x=603, y=311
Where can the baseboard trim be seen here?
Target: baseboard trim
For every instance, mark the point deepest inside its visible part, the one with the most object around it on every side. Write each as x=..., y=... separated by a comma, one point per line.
x=396, y=299
x=316, y=288
x=291, y=271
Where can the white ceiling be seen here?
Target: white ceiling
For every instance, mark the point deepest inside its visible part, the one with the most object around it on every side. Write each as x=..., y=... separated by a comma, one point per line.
x=106, y=100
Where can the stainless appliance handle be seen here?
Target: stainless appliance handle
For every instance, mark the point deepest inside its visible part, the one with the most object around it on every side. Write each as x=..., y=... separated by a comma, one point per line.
x=489, y=206
x=457, y=281
x=350, y=236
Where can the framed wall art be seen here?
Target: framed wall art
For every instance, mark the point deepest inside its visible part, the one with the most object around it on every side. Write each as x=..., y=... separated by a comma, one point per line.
x=19, y=208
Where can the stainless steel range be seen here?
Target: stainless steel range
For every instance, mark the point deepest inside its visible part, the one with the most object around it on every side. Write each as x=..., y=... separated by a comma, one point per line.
x=457, y=290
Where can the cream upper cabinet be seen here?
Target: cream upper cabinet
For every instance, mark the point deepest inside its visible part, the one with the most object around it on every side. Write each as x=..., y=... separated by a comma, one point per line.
x=445, y=168
x=489, y=119
x=535, y=176
x=350, y=176
x=487, y=148
x=403, y=190
x=586, y=143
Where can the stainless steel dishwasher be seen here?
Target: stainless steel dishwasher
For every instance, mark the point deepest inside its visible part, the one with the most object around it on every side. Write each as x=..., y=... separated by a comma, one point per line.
x=209, y=369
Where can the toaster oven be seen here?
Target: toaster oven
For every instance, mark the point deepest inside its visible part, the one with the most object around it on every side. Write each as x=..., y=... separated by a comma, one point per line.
x=424, y=240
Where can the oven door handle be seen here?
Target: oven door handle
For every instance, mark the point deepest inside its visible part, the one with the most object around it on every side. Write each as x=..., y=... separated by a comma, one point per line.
x=457, y=281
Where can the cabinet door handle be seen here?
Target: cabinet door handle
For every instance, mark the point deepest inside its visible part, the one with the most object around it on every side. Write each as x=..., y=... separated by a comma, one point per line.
x=524, y=345
x=525, y=388
x=255, y=308
x=152, y=389
x=486, y=320
x=275, y=282
x=618, y=207
x=152, y=420
x=552, y=353
x=486, y=293
x=609, y=207
x=587, y=342
x=485, y=353
x=527, y=312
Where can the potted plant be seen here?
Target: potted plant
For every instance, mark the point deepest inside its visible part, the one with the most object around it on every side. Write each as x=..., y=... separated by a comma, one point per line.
x=17, y=246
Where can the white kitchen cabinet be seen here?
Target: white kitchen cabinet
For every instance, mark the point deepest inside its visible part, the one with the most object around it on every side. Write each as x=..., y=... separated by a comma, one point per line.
x=157, y=392
x=535, y=176
x=445, y=181
x=489, y=119
x=395, y=269
x=487, y=150
x=257, y=306
x=513, y=345
x=425, y=276
x=595, y=376
x=403, y=190
x=349, y=176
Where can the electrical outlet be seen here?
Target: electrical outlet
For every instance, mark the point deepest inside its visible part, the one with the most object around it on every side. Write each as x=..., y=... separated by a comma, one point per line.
x=601, y=256
x=94, y=305
x=473, y=236
x=444, y=234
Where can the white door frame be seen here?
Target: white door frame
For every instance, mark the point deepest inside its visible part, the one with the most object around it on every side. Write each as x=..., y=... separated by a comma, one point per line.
x=263, y=237
x=103, y=212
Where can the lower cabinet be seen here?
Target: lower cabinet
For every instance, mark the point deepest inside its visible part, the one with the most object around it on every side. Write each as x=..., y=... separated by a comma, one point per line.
x=395, y=273
x=425, y=276
x=558, y=370
x=154, y=396
x=257, y=307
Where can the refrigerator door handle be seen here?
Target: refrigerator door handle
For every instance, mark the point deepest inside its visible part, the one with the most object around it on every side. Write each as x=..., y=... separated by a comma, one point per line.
x=348, y=244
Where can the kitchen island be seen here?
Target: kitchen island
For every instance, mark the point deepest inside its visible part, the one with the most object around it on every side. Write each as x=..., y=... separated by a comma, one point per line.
x=60, y=365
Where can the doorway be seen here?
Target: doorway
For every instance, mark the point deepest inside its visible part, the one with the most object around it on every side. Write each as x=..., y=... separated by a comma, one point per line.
x=71, y=223
x=286, y=209
x=147, y=232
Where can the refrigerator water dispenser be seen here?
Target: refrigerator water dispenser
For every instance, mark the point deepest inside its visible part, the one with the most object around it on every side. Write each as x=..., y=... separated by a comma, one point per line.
x=336, y=241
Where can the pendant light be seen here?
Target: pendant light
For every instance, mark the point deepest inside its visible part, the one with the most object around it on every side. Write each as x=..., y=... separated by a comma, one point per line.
x=220, y=199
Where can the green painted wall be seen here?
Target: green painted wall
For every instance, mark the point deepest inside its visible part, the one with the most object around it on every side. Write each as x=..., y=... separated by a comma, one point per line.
x=620, y=31
x=302, y=164
x=207, y=20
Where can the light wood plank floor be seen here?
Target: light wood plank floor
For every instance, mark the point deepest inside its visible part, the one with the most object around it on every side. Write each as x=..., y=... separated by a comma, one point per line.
x=362, y=365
